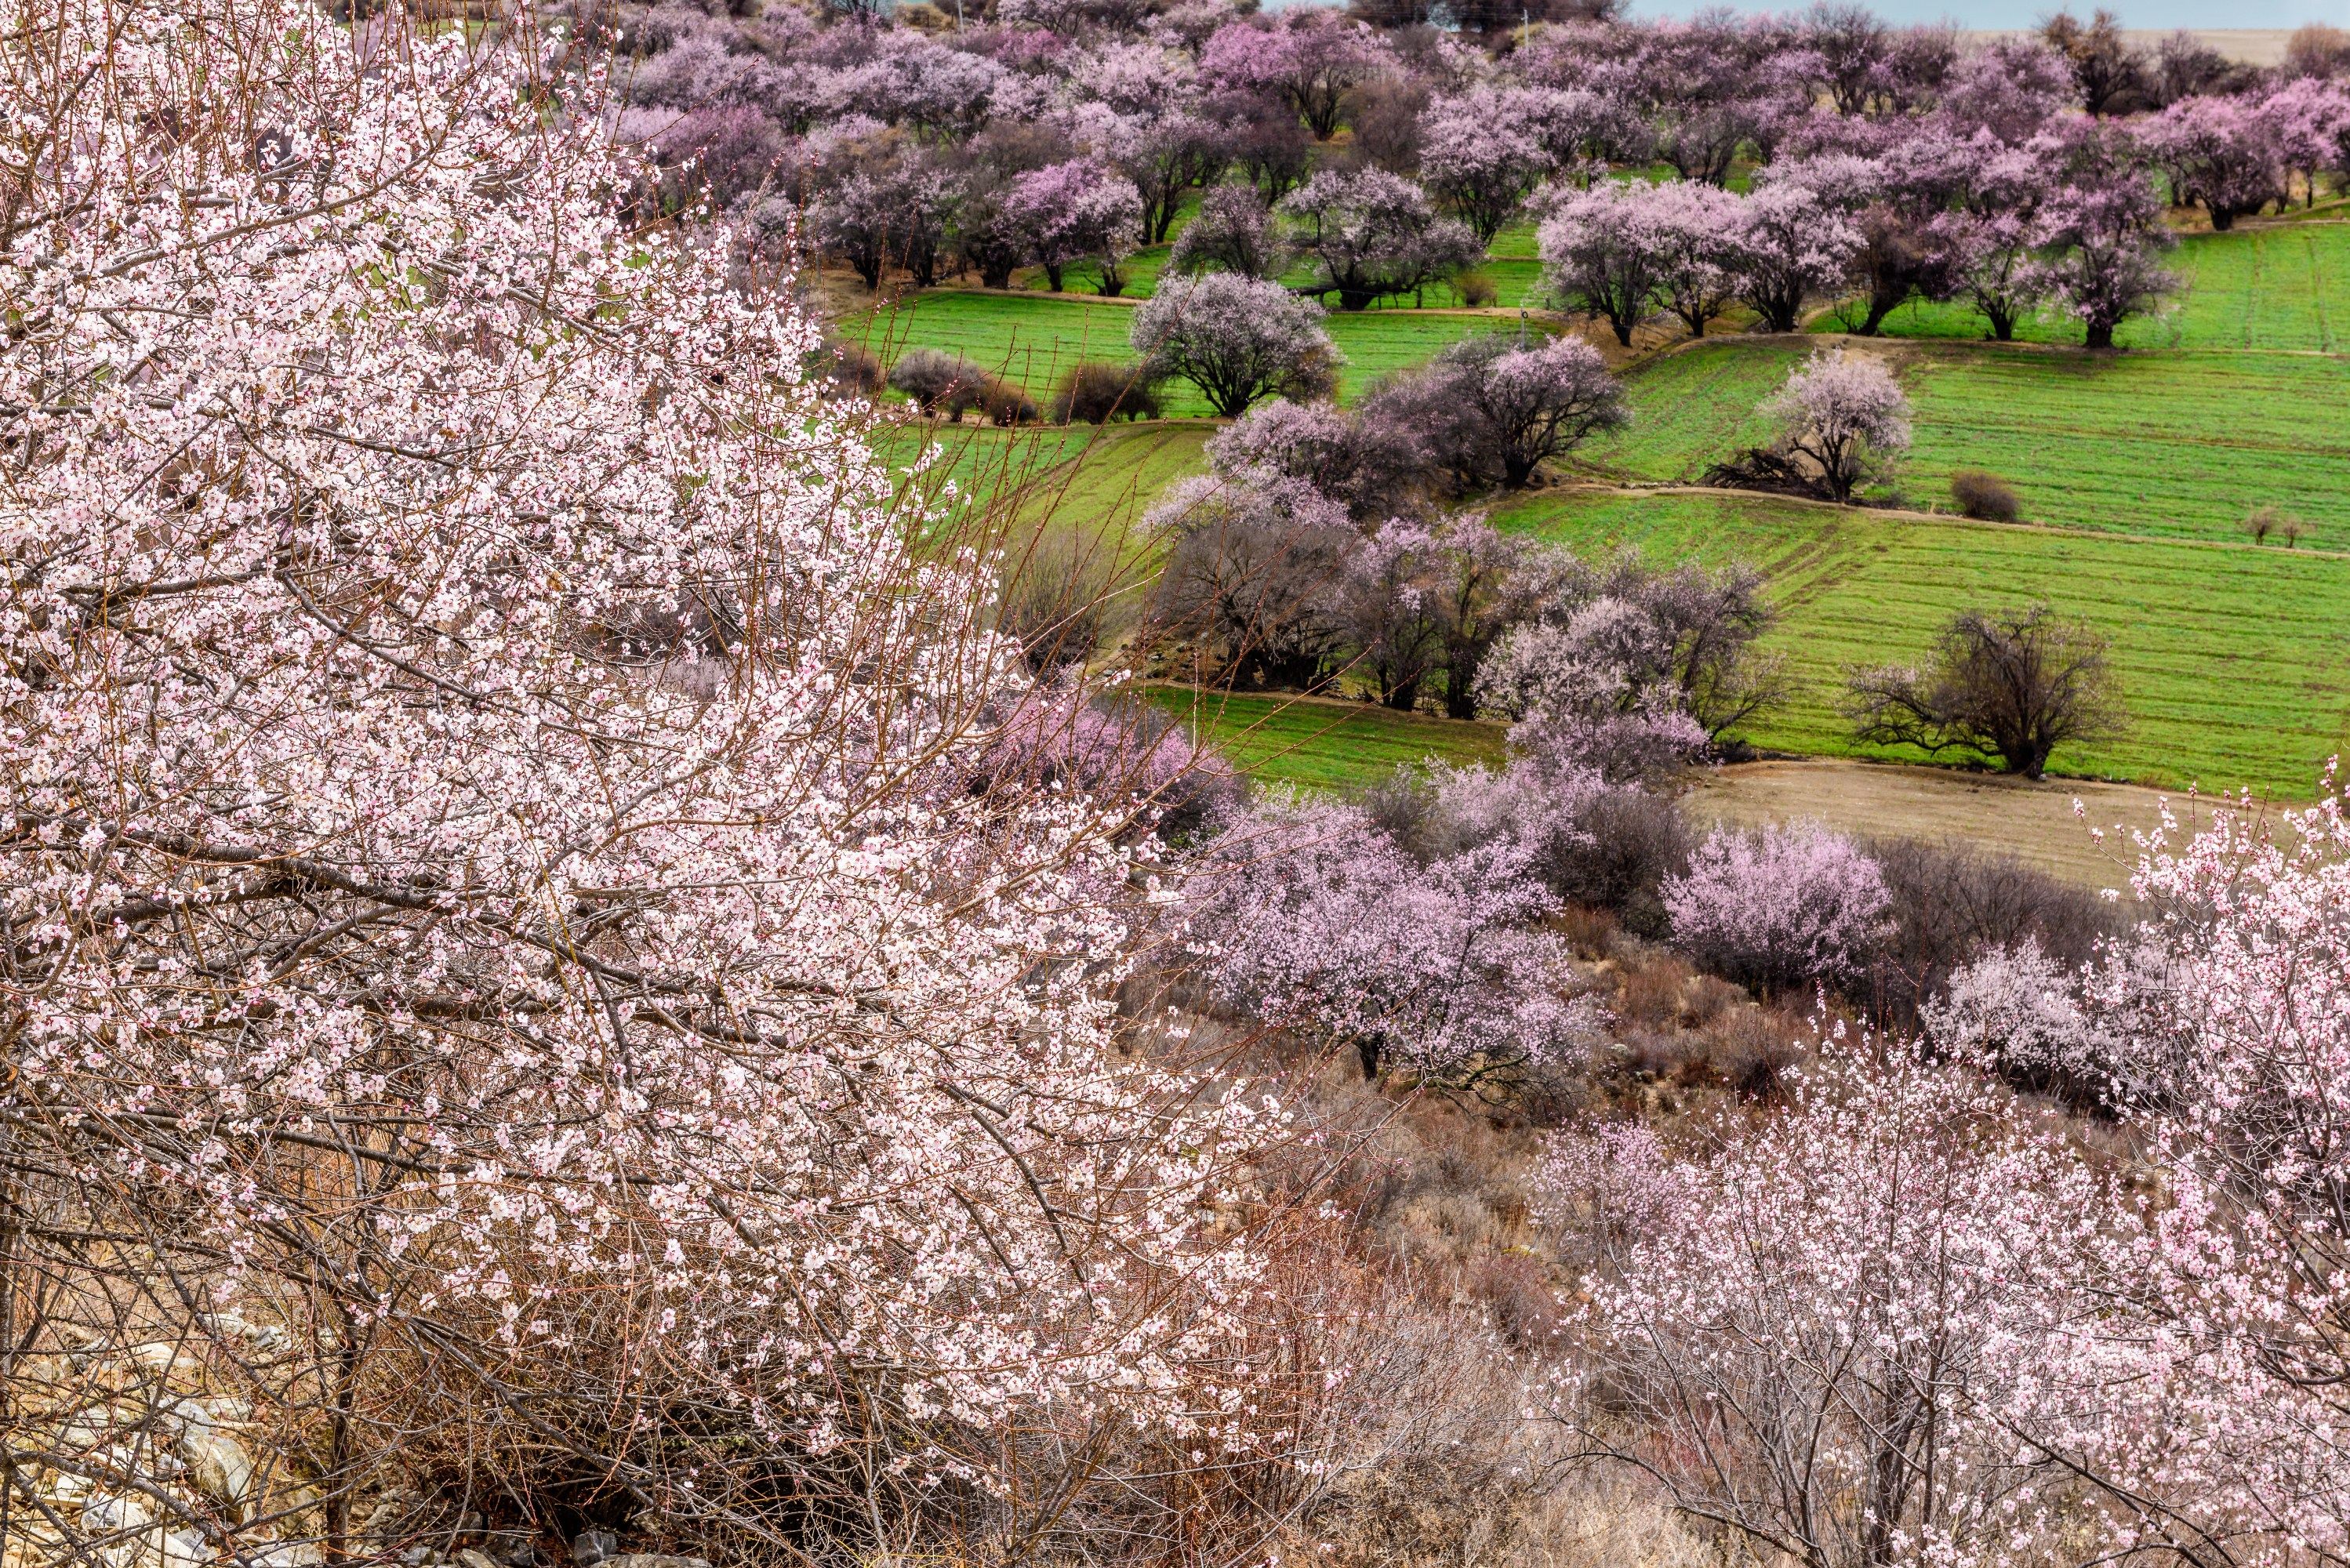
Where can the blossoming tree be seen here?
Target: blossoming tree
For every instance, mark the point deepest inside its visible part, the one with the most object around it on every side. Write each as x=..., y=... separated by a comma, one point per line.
x=492, y=892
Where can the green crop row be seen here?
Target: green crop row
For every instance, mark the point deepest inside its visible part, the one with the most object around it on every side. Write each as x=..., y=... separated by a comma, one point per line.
x=2175, y=443
x=1322, y=745
x=2234, y=661
x=2281, y=287
x=1034, y=341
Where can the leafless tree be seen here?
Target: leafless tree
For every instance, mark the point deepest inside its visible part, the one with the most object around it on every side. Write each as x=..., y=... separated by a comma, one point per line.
x=2006, y=687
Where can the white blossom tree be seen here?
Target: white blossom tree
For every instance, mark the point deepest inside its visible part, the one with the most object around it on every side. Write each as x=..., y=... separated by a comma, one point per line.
x=496, y=900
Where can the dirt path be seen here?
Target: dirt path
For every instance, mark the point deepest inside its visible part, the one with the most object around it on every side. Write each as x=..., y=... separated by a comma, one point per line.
x=2034, y=822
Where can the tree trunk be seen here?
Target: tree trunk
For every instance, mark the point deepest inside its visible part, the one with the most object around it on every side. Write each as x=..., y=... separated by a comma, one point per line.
x=1460, y=663
x=2100, y=335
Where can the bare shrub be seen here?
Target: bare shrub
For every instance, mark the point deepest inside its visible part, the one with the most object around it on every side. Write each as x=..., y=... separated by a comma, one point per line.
x=2006, y=687
x=1476, y=289
x=936, y=381
x=847, y=371
x=1004, y=403
x=1655, y=992
x=1589, y=930
x=1056, y=598
x=1516, y=1292
x=1985, y=497
x=1951, y=901
x=1754, y=1050
x=1096, y=392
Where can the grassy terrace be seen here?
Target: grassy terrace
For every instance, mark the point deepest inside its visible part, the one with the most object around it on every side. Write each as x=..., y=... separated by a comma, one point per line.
x=2235, y=661
x=1034, y=339
x=1322, y=744
x=2139, y=467
x=2284, y=286
x=2179, y=444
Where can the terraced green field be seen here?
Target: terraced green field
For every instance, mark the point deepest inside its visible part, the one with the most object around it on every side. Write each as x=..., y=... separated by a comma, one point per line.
x=2280, y=287
x=2235, y=661
x=1035, y=341
x=2174, y=444
x=1693, y=407
x=1320, y=744
x=2180, y=444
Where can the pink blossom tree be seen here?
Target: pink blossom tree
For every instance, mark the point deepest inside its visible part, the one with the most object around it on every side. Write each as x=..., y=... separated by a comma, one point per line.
x=1315, y=920
x=1782, y=908
x=2008, y=88
x=492, y=899
x=2102, y=229
x=1604, y=254
x=1310, y=57
x=1074, y=212
x=1371, y=235
x=1481, y=153
x=1233, y=231
x=1695, y=231
x=1792, y=244
x=1365, y=466
x=1584, y=693
x=2240, y=1035
x=892, y=212
x=1714, y=83
x=1842, y=416
x=1492, y=410
x=1818, y=1333
x=2229, y=154
x=1391, y=614
x=1988, y=235
x=1237, y=339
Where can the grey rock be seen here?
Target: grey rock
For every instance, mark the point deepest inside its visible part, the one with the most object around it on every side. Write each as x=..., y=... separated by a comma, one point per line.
x=653, y=1560
x=591, y=1547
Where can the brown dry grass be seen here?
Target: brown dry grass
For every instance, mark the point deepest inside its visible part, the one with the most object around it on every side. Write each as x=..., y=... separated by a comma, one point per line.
x=2034, y=822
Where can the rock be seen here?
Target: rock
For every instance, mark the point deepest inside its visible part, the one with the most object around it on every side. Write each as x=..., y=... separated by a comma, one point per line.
x=653, y=1560
x=133, y=1538
x=300, y=1554
x=474, y=1557
x=590, y=1547
x=217, y=1462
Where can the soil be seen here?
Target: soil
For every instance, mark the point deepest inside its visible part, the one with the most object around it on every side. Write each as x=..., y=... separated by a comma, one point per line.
x=2037, y=823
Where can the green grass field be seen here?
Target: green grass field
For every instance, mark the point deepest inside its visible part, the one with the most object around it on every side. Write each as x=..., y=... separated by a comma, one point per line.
x=1035, y=341
x=2174, y=444
x=2235, y=662
x=1322, y=745
x=1691, y=408
x=2280, y=287
x=2179, y=444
